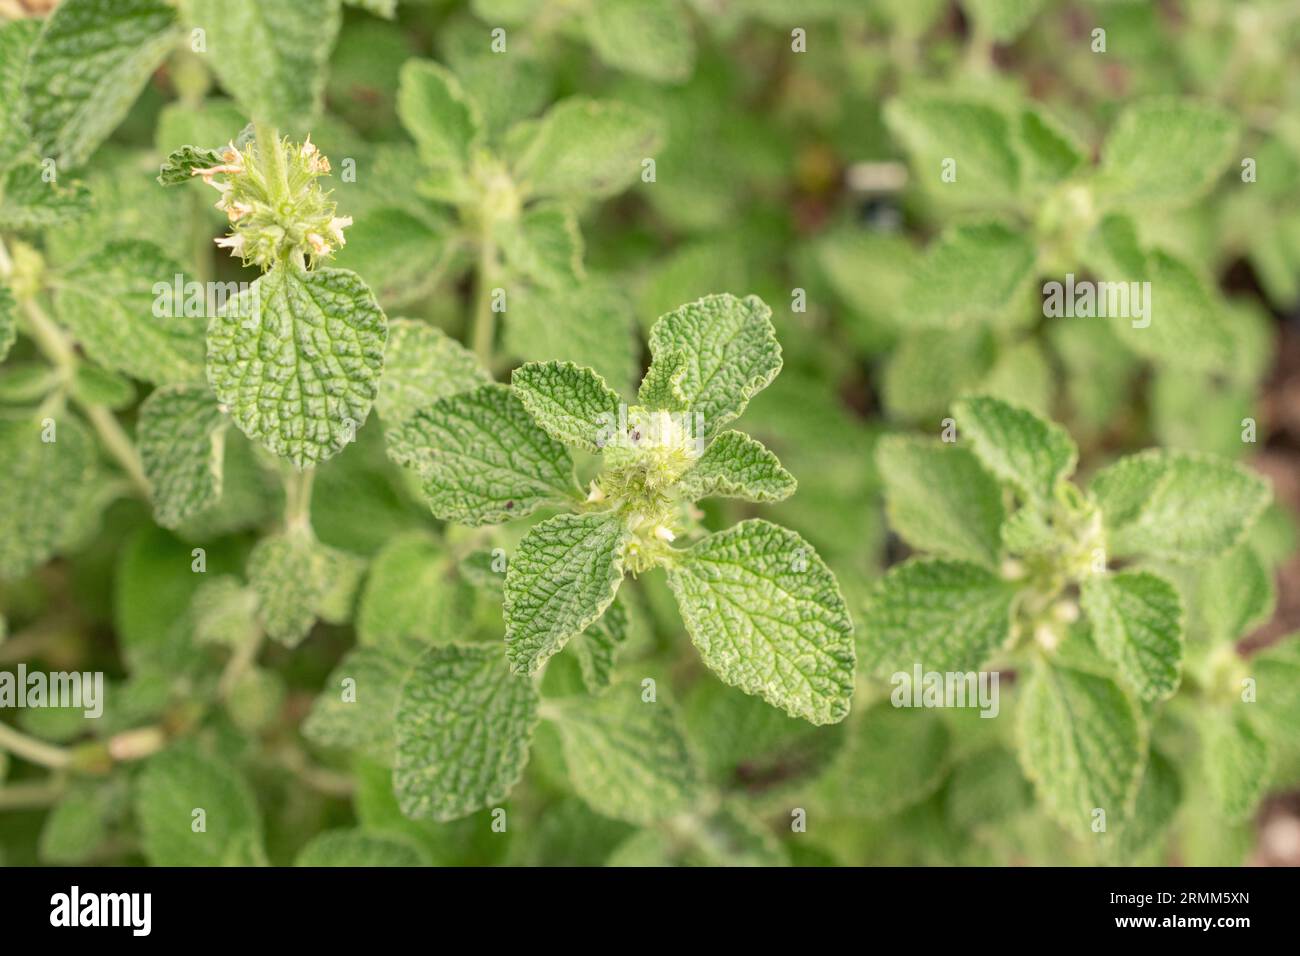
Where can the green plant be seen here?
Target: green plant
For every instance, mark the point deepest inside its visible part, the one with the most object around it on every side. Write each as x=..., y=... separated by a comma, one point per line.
x=1077, y=588
x=353, y=478
x=761, y=606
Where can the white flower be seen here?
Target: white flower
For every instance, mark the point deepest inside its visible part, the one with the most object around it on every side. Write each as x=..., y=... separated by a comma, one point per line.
x=235, y=243
x=337, y=225
x=234, y=209
x=664, y=534
x=318, y=244
x=316, y=161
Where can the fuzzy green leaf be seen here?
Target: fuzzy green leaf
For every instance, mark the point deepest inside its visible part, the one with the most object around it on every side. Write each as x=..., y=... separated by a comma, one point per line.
x=41, y=485
x=441, y=118
x=737, y=466
x=352, y=848
x=646, y=37
x=181, y=438
x=180, y=165
x=1276, y=671
x=767, y=616
x=662, y=388
x=108, y=303
x=544, y=246
x=562, y=577
x=16, y=40
x=28, y=201
x=1166, y=152
x=1137, y=622
x=356, y=708
x=286, y=570
x=411, y=597
x=940, y=499
x=894, y=758
x=1016, y=445
x=271, y=57
x=1176, y=506
x=482, y=459
x=626, y=758
x=97, y=386
x=589, y=324
x=297, y=360
x=1237, y=763
x=1082, y=743
x=76, y=825
x=1234, y=594
x=178, y=782
x=587, y=149
x=421, y=365
x=1048, y=151
x=1185, y=327
x=90, y=62
x=729, y=350
x=597, y=647
x=1157, y=803
x=973, y=272
x=464, y=726
x=942, y=615
x=935, y=129
x=224, y=612
x=573, y=405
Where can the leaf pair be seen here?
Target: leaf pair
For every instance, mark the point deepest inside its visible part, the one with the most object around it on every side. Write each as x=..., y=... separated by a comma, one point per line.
x=649, y=38
x=1159, y=153
x=465, y=725
x=580, y=148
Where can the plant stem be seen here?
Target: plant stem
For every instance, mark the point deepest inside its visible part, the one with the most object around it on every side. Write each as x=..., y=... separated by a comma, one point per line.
x=118, y=444
x=58, y=348
x=28, y=796
x=979, y=52
x=36, y=751
x=297, y=499
x=484, y=327
x=200, y=237
x=321, y=779
x=239, y=662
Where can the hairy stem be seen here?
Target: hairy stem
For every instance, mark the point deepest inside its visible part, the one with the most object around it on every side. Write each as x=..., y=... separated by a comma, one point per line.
x=200, y=237
x=239, y=662
x=33, y=750
x=297, y=498
x=321, y=779
x=29, y=796
x=117, y=442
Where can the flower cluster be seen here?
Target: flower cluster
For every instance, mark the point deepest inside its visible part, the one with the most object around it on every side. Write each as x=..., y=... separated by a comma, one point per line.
x=276, y=207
